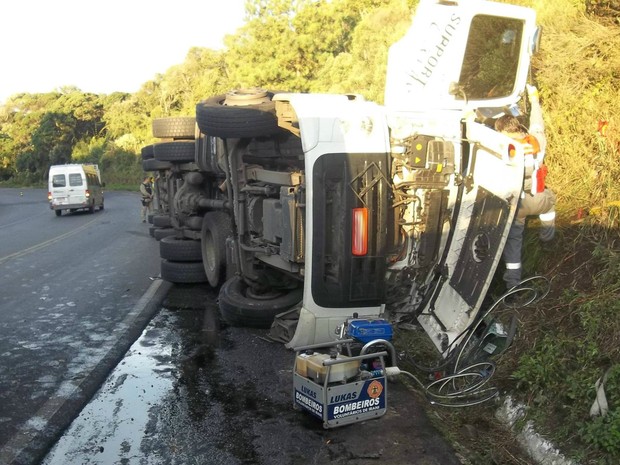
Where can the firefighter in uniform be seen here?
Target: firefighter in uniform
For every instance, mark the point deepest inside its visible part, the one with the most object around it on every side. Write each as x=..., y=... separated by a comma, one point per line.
x=535, y=198
x=146, y=190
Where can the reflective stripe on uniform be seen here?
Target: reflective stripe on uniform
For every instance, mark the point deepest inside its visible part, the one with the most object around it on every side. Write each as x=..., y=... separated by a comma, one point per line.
x=513, y=266
x=550, y=216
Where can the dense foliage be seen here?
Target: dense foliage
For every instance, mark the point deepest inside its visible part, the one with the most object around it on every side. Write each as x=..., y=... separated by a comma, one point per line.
x=567, y=342
x=301, y=45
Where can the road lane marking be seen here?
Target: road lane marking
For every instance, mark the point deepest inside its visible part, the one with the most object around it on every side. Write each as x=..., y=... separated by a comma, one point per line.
x=44, y=244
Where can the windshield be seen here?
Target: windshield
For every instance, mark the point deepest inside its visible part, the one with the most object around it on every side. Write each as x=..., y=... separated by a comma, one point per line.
x=491, y=58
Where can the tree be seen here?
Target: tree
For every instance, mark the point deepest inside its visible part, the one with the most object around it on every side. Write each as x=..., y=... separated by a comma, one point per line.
x=52, y=142
x=263, y=51
x=362, y=68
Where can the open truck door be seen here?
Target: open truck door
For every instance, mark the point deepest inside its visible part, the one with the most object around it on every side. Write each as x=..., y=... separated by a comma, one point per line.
x=460, y=66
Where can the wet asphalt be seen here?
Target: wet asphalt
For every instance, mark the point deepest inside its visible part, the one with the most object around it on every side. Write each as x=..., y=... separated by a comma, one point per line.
x=75, y=294
x=192, y=390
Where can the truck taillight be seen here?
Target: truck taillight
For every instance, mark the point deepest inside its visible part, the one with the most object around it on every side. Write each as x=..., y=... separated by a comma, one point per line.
x=359, y=244
x=49, y=196
x=87, y=193
x=512, y=151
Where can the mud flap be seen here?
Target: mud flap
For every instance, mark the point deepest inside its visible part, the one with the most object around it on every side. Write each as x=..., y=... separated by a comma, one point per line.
x=284, y=325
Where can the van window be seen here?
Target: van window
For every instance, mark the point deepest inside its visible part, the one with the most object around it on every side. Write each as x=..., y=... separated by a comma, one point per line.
x=491, y=58
x=59, y=180
x=75, y=179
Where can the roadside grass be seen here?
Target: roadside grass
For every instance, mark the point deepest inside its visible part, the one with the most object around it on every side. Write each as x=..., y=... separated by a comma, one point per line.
x=571, y=339
x=563, y=345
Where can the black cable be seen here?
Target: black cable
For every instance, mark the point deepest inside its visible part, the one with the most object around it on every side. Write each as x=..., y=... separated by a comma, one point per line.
x=446, y=391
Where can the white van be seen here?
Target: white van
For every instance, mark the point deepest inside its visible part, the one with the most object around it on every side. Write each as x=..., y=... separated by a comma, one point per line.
x=75, y=187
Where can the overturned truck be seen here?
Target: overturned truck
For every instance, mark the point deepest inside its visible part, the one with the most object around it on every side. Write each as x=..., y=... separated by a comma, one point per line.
x=339, y=206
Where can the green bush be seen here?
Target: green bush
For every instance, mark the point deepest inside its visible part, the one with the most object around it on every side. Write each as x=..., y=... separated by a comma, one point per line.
x=603, y=432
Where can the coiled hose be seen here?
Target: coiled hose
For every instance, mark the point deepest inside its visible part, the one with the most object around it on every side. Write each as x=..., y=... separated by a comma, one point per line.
x=467, y=385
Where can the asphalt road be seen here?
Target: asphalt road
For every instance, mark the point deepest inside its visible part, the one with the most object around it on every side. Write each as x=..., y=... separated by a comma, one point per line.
x=75, y=295
x=192, y=390
x=82, y=336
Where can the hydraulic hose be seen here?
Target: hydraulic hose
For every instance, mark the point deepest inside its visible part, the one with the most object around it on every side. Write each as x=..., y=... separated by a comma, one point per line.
x=467, y=386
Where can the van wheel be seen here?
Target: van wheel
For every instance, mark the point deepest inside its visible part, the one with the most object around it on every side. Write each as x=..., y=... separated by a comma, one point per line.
x=58, y=212
x=240, y=113
x=216, y=227
x=182, y=272
x=91, y=209
x=239, y=307
x=179, y=250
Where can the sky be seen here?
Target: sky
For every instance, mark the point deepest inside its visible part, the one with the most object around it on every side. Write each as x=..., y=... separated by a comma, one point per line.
x=104, y=46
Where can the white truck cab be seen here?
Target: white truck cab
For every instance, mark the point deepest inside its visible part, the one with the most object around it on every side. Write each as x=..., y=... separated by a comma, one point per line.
x=454, y=185
x=75, y=187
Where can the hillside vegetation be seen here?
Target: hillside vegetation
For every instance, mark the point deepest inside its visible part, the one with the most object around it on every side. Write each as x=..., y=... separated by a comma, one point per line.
x=567, y=341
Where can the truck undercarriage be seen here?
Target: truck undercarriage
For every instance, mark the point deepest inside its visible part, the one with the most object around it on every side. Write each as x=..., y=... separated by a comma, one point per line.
x=333, y=206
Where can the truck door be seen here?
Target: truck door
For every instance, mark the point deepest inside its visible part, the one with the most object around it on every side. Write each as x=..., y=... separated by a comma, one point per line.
x=483, y=213
x=461, y=59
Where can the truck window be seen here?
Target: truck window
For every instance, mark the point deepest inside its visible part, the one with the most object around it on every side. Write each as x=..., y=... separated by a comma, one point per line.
x=59, y=180
x=75, y=179
x=491, y=58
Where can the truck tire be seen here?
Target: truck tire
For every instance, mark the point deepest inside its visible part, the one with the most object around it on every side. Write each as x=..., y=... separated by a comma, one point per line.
x=178, y=127
x=160, y=233
x=237, y=115
x=155, y=165
x=238, y=309
x=182, y=272
x=180, y=151
x=162, y=221
x=216, y=227
x=179, y=250
x=147, y=152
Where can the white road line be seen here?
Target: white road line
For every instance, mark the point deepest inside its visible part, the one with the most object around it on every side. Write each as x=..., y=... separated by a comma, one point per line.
x=44, y=244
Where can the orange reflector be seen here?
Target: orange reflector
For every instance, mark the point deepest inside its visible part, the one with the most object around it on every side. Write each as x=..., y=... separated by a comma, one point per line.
x=512, y=151
x=359, y=244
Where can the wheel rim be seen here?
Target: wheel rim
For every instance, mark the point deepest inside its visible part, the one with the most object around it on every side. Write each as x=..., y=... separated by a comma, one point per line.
x=209, y=251
x=241, y=97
